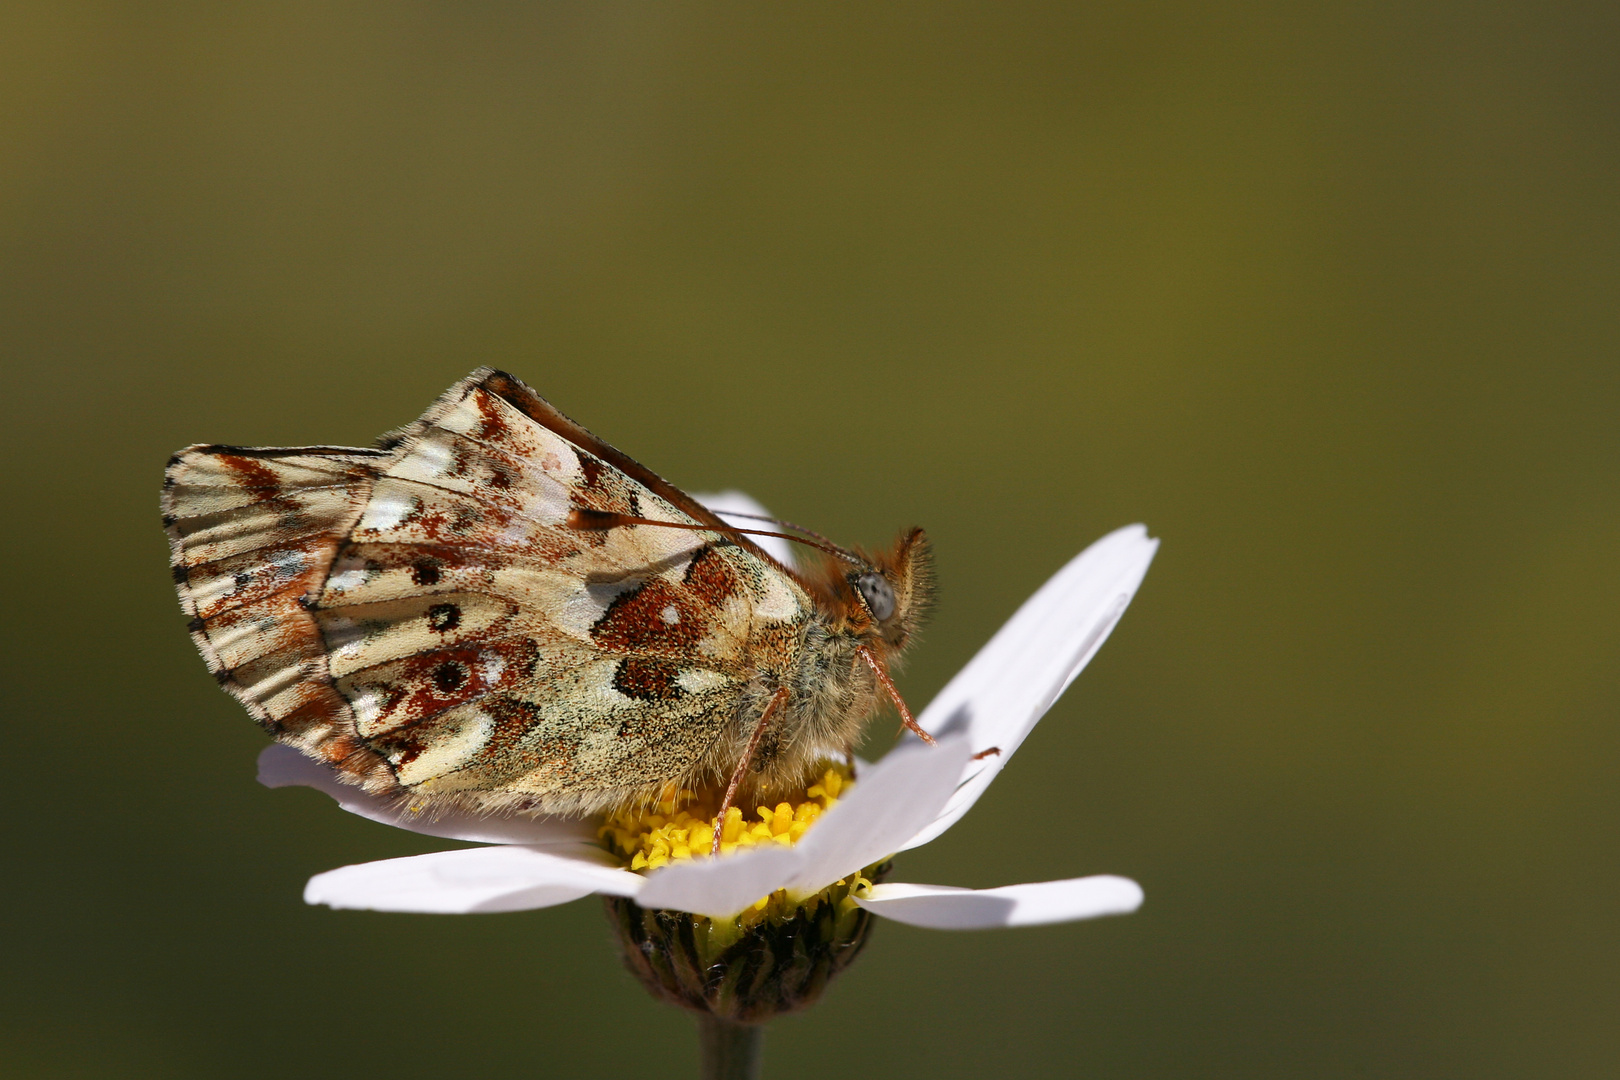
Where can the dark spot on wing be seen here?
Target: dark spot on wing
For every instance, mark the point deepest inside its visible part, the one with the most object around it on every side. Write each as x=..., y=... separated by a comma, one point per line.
x=590, y=469
x=647, y=679
x=403, y=747
x=448, y=676
x=444, y=617
x=510, y=746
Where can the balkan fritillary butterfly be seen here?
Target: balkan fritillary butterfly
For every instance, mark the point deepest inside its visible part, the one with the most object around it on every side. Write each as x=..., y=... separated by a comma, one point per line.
x=496, y=611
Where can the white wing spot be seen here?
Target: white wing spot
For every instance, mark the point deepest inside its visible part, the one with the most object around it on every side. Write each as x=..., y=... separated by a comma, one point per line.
x=435, y=457
x=491, y=666
x=344, y=580
x=387, y=512
x=367, y=706
x=670, y=615
x=699, y=680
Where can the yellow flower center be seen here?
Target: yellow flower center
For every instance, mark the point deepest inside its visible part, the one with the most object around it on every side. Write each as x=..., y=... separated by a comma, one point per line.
x=681, y=825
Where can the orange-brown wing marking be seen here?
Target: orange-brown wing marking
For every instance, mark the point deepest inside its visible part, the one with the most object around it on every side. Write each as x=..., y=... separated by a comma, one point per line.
x=659, y=625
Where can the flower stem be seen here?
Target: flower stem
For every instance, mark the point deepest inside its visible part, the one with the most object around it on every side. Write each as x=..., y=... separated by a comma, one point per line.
x=727, y=1050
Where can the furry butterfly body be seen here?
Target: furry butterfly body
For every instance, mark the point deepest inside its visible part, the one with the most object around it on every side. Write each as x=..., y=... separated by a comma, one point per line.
x=494, y=610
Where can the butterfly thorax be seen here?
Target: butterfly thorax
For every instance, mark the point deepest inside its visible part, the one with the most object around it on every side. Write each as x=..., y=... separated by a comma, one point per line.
x=832, y=689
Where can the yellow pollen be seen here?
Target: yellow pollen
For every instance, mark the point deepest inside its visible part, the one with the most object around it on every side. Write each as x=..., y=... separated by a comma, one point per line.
x=681, y=824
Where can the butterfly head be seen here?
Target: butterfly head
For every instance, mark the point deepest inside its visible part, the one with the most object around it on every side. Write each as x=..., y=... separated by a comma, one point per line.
x=884, y=597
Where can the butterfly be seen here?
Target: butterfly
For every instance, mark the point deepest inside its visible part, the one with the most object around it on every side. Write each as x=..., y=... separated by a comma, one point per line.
x=494, y=610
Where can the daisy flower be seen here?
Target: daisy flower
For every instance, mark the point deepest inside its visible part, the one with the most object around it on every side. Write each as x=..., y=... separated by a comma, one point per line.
x=821, y=852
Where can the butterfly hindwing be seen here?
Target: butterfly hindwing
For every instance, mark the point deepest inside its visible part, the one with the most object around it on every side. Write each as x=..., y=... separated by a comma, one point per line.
x=432, y=613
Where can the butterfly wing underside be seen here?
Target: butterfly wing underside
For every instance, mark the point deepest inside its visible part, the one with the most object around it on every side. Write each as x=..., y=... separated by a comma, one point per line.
x=423, y=618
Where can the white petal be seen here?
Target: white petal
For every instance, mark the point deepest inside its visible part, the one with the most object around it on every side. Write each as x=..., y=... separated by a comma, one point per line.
x=282, y=766
x=940, y=907
x=727, y=503
x=722, y=886
x=1004, y=690
x=893, y=799
x=505, y=878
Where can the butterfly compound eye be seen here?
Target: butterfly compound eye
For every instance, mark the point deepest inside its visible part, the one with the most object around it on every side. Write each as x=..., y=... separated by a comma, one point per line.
x=878, y=594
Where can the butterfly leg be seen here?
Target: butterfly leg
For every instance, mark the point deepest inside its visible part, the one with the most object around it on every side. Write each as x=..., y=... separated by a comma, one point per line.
x=894, y=695
x=742, y=766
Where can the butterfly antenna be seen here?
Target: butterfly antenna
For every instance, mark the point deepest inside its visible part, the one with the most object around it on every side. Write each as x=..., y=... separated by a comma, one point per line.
x=602, y=520
x=784, y=524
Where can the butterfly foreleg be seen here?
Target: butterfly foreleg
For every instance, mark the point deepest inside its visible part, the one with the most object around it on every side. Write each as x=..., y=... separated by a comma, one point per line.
x=742, y=766
x=882, y=674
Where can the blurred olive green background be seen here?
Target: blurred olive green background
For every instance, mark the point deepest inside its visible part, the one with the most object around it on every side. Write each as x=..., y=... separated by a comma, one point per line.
x=1325, y=294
